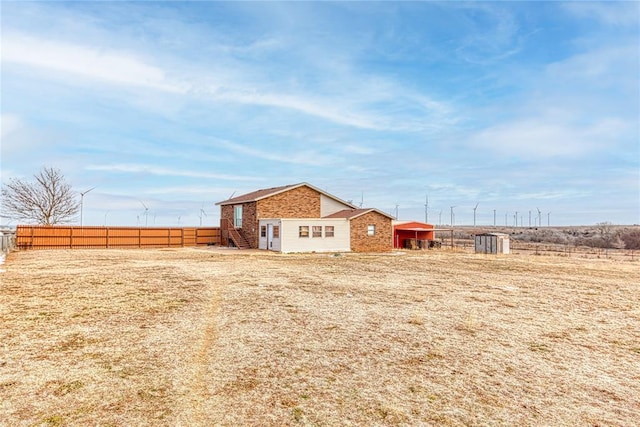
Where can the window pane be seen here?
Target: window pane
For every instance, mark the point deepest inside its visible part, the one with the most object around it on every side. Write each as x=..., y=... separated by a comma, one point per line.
x=303, y=231
x=328, y=231
x=276, y=231
x=263, y=231
x=317, y=231
x=371, y=230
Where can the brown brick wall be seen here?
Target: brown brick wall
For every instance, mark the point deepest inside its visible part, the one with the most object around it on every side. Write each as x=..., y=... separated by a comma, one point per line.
x=226, y=212
x=383, y=239
x=301, y=202
x=249, y=221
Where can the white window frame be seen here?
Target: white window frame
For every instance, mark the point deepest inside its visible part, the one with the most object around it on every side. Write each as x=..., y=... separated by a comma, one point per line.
x=371, y=230
x=237, y=216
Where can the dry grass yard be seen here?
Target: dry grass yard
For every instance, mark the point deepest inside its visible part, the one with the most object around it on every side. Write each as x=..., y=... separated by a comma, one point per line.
x=204, y=337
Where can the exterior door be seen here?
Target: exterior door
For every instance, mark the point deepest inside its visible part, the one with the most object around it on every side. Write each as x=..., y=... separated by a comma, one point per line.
x=270, y=236
x=237, y=216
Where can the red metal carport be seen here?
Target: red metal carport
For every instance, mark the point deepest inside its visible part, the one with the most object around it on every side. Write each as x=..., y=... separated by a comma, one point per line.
x=411, y=230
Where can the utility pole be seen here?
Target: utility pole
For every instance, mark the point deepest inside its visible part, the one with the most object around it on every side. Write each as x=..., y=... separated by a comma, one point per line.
x=494, y=217
x=82, y=201
x=516, y=218
x=505, y=219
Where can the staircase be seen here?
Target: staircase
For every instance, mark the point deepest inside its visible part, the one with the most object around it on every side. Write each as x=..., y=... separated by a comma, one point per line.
x=238, y=239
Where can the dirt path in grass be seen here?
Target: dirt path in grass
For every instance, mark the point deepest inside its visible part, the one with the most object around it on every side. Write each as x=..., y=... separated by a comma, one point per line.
x=195, y=410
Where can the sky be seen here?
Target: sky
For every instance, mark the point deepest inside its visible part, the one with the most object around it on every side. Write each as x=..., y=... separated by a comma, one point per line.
x=162, y=109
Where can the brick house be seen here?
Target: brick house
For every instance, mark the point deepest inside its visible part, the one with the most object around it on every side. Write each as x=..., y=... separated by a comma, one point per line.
x=302, y=218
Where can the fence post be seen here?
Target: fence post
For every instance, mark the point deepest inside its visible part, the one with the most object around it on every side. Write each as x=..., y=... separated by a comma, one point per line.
x=107, y=238
x=139, y=238
x=169, y=237
x=71, y=237
x=182, y=237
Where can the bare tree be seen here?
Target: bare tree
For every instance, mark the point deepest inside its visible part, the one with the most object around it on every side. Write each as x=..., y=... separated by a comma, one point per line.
x=47, y=201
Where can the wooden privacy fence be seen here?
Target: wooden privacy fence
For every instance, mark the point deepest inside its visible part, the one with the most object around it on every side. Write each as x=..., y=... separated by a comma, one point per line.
x=72, y=237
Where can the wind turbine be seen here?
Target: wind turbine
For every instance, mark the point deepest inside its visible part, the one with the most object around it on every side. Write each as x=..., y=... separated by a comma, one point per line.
x=548, y=218
x=202, y=212
x=440, y=217
x=474, y=214
x=426, y=210
x=452, y=215
x=82, y=201
x=539, y=217
x=146, y=211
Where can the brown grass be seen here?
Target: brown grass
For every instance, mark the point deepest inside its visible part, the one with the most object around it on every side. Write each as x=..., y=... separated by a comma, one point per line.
x=219, y=337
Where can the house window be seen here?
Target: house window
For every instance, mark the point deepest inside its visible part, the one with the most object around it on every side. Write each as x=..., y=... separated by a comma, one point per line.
x=237, y=216
x=328, y=231
x=276, y=231
x=371, y=230
x=263, y=231
x=317, y=231
x=303, y=231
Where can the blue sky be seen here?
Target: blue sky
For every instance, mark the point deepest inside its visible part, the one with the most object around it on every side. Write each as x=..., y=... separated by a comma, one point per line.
x=514, y=106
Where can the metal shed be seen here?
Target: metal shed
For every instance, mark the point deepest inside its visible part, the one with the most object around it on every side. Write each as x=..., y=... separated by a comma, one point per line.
x=492, y=243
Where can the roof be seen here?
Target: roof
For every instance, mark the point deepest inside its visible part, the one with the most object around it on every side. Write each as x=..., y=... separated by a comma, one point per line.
x=354, y=213
x=258, y=194
x=413, y=229
x=254, y=196
x=413, y=226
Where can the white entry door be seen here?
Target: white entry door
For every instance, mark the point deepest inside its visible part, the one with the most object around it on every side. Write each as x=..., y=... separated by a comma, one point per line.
x=270, y=237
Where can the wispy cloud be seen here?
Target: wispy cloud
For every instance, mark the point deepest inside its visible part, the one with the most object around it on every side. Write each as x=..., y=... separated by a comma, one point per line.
x=155, y=170
x=540, y=138
x=9, y=124
x=109, y=66
x=304, y=157
x=618, y=13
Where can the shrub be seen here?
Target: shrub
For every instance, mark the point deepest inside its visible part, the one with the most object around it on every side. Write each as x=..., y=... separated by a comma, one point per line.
x=631, y=239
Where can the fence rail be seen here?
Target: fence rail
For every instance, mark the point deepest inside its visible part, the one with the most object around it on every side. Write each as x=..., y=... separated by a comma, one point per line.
x=72, y=237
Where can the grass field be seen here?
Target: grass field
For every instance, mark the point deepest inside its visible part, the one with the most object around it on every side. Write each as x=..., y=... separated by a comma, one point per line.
x=203, y=337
